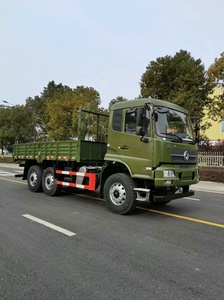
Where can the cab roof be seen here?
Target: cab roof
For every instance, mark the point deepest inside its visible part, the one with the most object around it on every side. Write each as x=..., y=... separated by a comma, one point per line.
x=142, y=101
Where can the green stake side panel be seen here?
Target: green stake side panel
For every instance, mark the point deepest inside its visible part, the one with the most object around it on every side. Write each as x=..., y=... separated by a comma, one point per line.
x=61, y=151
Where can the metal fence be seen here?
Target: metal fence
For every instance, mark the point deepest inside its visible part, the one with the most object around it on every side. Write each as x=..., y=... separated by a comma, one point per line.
x=211, y=159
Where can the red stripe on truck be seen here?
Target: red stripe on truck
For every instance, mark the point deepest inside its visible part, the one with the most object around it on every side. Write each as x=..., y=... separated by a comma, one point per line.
x=92, y=180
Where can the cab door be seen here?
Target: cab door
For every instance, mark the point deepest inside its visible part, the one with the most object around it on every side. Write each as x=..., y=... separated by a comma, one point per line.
x=136, y=152
x=114, y=135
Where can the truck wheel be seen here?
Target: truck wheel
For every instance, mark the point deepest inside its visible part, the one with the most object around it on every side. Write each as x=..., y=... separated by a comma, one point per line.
x=49, y=182
x=119, y=193
x=34, y=178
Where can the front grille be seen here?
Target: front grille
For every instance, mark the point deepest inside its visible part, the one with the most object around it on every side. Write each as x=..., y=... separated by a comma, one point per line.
x=179, y=155
x=185, y=166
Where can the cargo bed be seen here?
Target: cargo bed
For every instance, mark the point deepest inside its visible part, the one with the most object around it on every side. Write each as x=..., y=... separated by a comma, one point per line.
x=86, y=151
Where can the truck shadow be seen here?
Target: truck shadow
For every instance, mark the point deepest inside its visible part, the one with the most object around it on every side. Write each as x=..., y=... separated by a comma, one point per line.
x=174, y=207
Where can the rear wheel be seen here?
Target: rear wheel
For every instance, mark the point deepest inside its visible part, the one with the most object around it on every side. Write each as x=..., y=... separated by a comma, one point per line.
x=34, y=178
x=119, y=193
x=49, y=183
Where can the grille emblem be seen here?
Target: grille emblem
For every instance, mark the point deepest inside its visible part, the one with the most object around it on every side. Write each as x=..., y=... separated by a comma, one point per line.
x=186, y=156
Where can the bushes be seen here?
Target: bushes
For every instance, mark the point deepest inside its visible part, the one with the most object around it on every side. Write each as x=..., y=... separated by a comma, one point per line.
x=208, y=146
x=215, y=174
x=6, y=159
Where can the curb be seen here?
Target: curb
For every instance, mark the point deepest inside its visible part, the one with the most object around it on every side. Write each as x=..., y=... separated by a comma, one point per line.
x=207, y=190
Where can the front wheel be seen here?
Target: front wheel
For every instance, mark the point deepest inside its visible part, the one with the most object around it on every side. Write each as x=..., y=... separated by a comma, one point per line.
x=119, y=193
x=50, y=186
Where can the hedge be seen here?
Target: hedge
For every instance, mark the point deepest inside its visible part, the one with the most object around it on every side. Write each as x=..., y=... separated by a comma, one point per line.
x=6, y=159
x=215, y=174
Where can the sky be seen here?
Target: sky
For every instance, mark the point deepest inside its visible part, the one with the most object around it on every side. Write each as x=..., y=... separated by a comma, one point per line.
x=101, y=44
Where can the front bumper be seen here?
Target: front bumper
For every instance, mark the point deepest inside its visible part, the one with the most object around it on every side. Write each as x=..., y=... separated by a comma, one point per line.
x=146, y=195
x=169, y=197
x=182, y=176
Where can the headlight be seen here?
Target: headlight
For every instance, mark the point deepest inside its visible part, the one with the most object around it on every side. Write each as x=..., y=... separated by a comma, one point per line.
x=168, y=173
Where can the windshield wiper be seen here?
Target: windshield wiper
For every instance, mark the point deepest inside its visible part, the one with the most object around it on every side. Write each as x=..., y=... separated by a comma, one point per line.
x=190, y=140
x=172, y=134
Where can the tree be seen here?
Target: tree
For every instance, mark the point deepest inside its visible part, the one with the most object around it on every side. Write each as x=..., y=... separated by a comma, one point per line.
x=117, y=99
x=22, y=126
x=63, y=110
x=16, y=125
x=216, y=75
x=4, y=127
x=37, y=106
x=53, y=89
x=180, y=79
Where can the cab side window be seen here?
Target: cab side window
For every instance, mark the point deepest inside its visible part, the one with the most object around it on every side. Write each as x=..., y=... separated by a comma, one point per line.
x=130, y=125
x=137, y=121
x=117, y=120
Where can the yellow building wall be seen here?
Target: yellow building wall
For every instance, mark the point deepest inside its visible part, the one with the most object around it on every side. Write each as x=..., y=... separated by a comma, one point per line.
x=214, y=132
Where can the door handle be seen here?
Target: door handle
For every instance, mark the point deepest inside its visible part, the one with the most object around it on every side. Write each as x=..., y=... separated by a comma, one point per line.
x=124, y=147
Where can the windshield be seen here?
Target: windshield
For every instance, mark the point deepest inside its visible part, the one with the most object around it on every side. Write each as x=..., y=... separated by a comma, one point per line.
x=174, y=124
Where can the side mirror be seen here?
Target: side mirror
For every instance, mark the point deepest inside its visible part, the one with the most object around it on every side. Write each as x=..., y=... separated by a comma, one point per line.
x=140, y=116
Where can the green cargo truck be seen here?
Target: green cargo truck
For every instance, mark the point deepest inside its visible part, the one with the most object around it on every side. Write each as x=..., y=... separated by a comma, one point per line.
x=149, y=154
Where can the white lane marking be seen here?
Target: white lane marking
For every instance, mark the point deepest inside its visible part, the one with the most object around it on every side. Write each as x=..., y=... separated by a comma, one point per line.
x=3, y=173
x=194, y=199
x=50, y=225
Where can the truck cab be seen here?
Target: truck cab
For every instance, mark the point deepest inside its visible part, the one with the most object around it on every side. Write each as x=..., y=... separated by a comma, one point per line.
x=153, y=142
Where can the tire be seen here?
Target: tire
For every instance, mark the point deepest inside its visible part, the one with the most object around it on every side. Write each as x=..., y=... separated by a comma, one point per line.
x=49, y=183
x=119, y=194
x=34, y=178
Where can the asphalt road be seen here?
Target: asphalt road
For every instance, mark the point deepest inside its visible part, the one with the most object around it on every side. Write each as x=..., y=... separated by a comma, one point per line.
x=170, y=252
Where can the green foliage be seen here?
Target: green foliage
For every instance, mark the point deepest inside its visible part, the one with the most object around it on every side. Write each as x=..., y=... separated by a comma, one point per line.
x=180, y=79
x=22, y=125
x=37, y=106
x=53, y=89
x=62, y=111
x=4, y=127
x=16, y=125
x=117, y=99
x=216, y=75
x=55, y=111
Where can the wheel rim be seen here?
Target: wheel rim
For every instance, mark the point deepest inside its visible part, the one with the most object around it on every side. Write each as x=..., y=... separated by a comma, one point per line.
x=117, y=194
x=49, y=181
x=33, y=178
